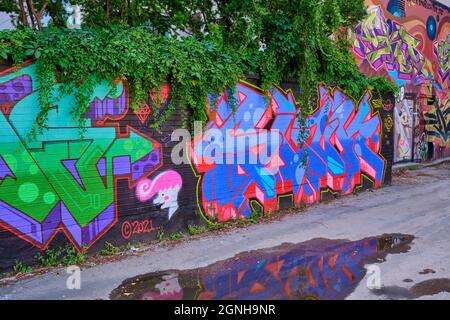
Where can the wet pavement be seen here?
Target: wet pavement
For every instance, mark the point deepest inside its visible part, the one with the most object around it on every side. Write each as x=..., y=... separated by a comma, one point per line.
x=315, y=269
x=417, y=203
x=423, y=288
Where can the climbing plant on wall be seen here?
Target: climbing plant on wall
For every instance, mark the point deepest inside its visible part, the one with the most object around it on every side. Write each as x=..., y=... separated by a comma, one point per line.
x=197, y=47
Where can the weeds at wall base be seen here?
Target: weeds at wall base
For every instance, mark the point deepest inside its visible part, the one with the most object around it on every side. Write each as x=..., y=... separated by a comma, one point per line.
x=194, y=229
x=20, y=268
x=176, y=236
x=411, y=168
x=50, y=258
x=73, y=257
x=67, y=256
x=109, y=249
x=160, y=235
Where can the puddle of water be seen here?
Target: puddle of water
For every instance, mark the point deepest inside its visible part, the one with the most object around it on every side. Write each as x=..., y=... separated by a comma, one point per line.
x=316, y=269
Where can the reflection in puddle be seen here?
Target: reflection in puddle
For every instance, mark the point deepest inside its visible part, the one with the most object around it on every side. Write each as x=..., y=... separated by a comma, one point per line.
x=316, y=269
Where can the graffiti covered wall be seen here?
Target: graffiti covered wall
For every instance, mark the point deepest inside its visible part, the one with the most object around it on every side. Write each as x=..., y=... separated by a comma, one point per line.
x=115, y=184
x=118, y=184
x=408, y=41
x=342, y=152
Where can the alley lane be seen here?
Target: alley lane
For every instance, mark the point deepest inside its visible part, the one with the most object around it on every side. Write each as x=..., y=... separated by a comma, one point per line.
x=417, y=203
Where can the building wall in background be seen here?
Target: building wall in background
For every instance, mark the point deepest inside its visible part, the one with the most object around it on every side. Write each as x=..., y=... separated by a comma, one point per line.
x=5, y=21
x=408, y=41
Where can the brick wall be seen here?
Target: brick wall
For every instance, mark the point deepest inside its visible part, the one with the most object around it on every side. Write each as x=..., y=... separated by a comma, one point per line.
x=118, y=183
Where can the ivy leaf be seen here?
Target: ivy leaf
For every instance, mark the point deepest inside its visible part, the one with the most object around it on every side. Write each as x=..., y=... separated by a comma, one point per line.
x=29, y=52
x=282, y=40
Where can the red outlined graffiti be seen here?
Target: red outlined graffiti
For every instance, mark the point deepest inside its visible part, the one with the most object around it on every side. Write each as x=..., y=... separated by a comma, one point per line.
x=132, y=228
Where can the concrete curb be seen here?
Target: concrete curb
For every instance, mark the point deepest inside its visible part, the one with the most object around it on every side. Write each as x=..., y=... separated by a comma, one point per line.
x=419, y=165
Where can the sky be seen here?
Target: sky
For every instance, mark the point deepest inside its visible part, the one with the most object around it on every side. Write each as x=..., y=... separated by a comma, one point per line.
x=446, y=2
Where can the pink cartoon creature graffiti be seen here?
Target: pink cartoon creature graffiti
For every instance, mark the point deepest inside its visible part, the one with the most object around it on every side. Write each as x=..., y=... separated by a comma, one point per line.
x=165, y=186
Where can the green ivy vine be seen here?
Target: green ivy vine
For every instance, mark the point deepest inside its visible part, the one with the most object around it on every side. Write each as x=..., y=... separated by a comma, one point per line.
x=278, y=39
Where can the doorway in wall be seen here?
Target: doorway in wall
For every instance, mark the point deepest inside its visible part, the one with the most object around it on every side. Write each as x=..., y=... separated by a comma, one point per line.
x=403, y=130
